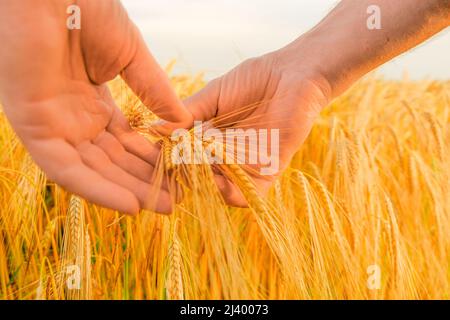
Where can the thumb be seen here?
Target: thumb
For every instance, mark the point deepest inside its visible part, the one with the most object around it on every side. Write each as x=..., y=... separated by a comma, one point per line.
x=202, y=106
x=151, y=84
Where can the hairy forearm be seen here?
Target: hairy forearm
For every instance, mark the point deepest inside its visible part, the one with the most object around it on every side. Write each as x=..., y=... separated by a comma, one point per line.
x=343, y=48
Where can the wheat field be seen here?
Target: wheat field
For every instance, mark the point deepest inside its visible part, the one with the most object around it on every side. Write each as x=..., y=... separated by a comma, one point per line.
x=363, y=212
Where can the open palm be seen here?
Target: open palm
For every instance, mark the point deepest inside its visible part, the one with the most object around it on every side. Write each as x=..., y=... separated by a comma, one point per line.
x=63, y=112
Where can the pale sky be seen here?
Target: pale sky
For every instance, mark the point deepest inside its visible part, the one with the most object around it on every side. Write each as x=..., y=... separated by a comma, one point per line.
x=215, y=35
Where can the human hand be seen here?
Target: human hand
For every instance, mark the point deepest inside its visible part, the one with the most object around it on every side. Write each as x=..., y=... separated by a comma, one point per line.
x=288, y=88
x=269, y=92
x=52, y=86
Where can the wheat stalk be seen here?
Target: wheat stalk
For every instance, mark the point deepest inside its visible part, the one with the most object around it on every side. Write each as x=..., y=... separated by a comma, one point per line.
x=393, y=238
x=435, y=130
x=48, y=234
x=174, y=282
x=76, y=251
x=167, y=154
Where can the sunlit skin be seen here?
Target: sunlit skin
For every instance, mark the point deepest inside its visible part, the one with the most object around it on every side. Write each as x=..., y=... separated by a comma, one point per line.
x=268, y=96
x=52, y=86
x=291, y=86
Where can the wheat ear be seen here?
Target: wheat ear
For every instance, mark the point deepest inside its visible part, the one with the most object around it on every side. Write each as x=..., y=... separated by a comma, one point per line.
x=174, y=280
x=435, y=130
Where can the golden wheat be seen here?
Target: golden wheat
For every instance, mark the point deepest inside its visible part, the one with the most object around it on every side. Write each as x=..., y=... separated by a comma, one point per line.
x=369, y=187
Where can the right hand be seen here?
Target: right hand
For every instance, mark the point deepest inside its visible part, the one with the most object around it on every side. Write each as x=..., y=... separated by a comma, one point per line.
x=285, y=95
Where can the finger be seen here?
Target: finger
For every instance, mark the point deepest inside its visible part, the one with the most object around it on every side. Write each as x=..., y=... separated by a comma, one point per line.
x=231, y=194
x=132, y=141
x=151, y=84
x=125, y=160
x=203, y=106
x=149, y=197
x=63, y=165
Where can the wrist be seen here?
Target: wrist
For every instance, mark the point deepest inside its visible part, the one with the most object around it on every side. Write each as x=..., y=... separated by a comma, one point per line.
x=313, y=54
x=298, y=61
